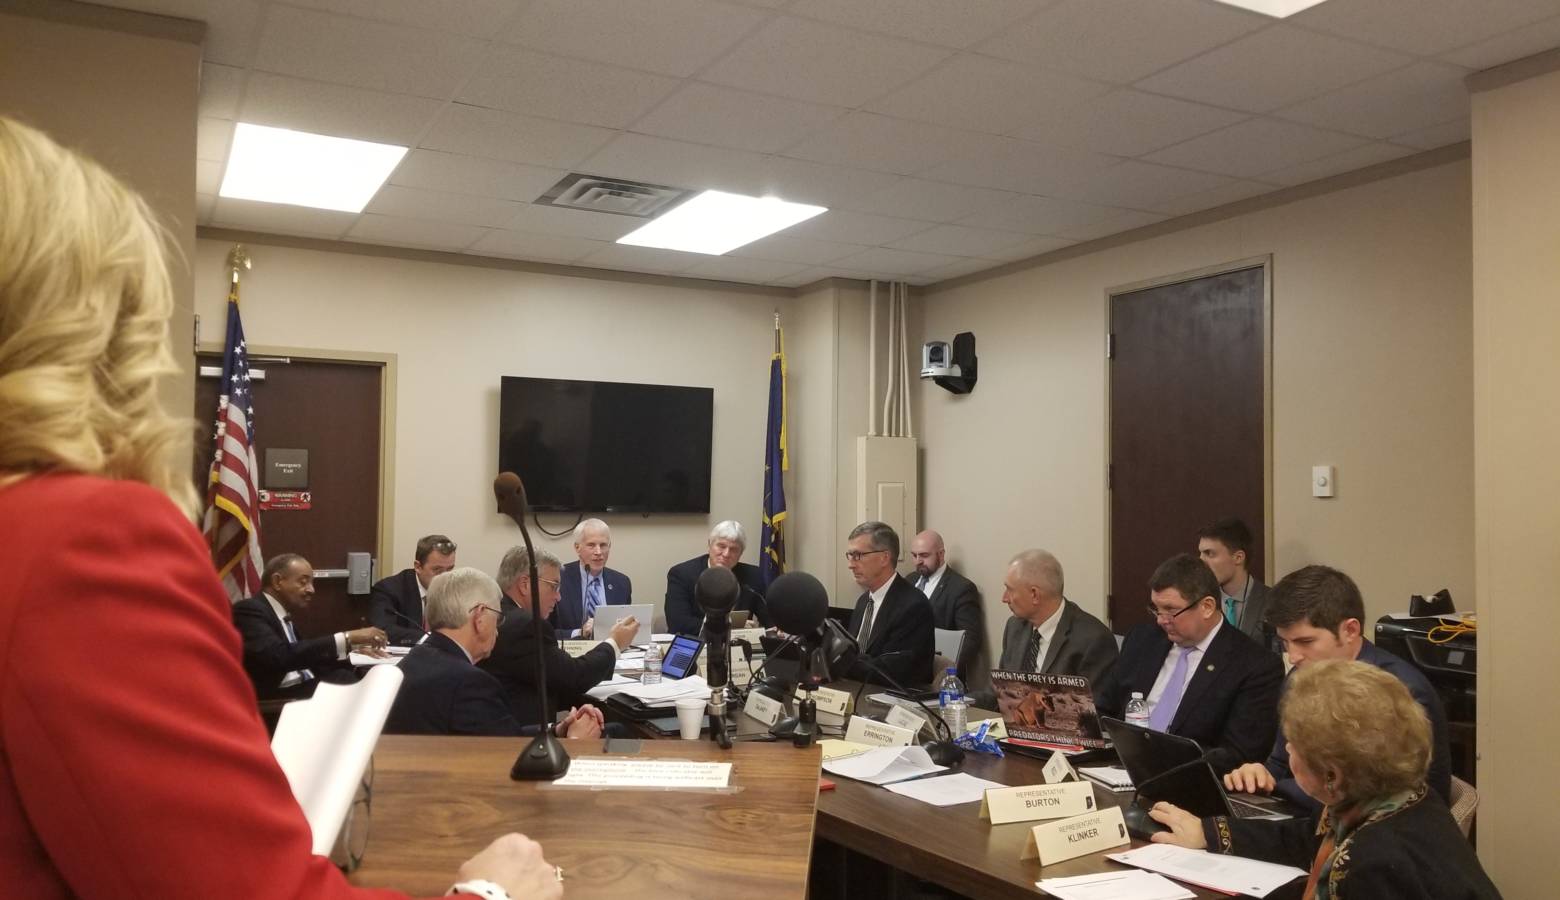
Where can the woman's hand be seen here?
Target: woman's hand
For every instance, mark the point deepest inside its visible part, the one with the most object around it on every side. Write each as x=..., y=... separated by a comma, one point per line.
x=1185, y=829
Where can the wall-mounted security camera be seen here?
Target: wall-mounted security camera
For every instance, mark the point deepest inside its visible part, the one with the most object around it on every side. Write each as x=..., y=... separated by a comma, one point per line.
x=952, y=368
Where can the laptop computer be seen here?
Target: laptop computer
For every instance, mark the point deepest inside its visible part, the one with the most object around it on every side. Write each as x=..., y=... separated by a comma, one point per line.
x=1173, y=768
x=1049, y=709
x=608, y=616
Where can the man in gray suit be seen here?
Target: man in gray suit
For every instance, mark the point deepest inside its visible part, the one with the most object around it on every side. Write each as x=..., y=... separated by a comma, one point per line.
x=1225, y=546
x=1047, y=632
x=955, y=599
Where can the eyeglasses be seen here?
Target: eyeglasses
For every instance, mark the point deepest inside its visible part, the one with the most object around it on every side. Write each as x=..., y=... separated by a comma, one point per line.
x=553, y=584
x=497, y=612
x=445, y=547
x=1167, y=615
x=856, y=555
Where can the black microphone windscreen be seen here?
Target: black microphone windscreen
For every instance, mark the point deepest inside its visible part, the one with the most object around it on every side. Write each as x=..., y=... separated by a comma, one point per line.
x=510, y=494
x=716, y=591
x=797, y=602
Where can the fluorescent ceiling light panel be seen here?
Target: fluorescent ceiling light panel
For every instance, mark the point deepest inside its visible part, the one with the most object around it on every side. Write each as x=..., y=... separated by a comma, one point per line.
x=278, y=165
x=1278, y=9
x=716, y=222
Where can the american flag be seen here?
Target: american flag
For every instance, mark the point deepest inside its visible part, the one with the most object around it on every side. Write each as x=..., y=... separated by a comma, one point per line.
x=232, y=523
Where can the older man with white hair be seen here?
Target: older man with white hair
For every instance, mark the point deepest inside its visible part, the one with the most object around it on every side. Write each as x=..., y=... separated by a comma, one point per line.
x=727, y=542
x=587, y=582
x=442, y=690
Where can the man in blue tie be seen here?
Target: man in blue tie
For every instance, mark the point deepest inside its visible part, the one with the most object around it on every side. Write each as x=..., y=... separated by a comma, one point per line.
x=588, y=583
x=1202, y=677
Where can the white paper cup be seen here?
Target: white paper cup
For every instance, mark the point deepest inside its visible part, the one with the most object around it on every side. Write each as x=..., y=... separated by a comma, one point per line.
x=690, y=717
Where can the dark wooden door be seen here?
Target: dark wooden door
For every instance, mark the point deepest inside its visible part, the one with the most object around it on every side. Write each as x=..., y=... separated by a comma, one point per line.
x=1186, y=425
x=332, y=410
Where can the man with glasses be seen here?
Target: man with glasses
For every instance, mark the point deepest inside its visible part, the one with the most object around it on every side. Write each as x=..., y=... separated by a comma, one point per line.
x=513, y=660
x=442, y=690
x=892, y=621
x=587, y=582
x=1203, y=678
x=396, y=604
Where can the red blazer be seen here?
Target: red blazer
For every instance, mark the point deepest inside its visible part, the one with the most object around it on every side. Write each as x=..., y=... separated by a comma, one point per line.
x=133, y=763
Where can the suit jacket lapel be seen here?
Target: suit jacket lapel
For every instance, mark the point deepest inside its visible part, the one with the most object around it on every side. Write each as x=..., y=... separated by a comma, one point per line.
x=1208, y=671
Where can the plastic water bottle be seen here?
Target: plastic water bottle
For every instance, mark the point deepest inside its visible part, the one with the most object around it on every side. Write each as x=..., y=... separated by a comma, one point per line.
x=1137, y=710
x=652, y=664
x=951, y=702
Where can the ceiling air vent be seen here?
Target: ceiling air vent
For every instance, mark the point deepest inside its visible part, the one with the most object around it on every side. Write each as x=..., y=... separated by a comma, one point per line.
x=618, y=196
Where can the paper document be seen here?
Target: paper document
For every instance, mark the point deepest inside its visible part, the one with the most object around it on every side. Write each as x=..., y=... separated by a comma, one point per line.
x=885, y=765
x=1133, y=884
x=833, y=748
x=669, y=691
x=363, y=659
x=1232, y=874
x=1113, y=777
x=945, y=790
x=601, y=771
x=613, y=685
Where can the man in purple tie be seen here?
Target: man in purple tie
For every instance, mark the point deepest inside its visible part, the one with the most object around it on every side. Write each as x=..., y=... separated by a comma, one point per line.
x=1203, y=678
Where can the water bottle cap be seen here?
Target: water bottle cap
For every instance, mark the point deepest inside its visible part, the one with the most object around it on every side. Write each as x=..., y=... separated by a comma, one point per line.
x=1137, y=695
x=952, y=670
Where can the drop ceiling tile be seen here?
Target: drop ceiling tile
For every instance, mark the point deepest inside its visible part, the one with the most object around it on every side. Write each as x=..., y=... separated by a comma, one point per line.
x=569, y=90
x=205, y=208
x=478, y=18
x=1039, y=215
x=1031, y=248
x=931, y=201
x=364, y=54
x=1276, y=67
x=220, y=89
x=208, y=176
x=541, y=247
x=805, y=277
x=400, y=232
x=495, y=134
x=593, y=226
x=820, y=63
x=336, y=110
x=958, y=269
x=643, y=259
x=932, y=21
x=749, y=271
x=212, y=138
x=1337, y=163
x=1256, y=146
x=1120, y=40
x=279, y=218
x=1222, y=195
x=1424, y=28
x=869, y=141
x=1535, y=38
x=1408, y=99
x=472, y=175
x=1125, y=222
x=896, y=262
x=781, y=248
x=808, y=182
x=1437, y=135
x=1139, y=185
x=961, y=240
x=846, y=227
x=230, y=31
x=673, y=37
x=1010, y=164
x=678, y=164
x=709, y=114
x=1130, y=123
x=990, y=95
x=461, y=209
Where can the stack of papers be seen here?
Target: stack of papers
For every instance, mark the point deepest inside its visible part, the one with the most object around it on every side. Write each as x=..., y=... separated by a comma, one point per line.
x=1129, y=885
x=1230, y=874
x=669, y=691
x=885, y=765
x=611, y=686
x=363, y=659
x=1113, y=777
x=945, y=790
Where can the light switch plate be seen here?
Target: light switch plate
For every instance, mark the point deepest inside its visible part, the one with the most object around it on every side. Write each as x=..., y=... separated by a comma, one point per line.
x=1323, y=481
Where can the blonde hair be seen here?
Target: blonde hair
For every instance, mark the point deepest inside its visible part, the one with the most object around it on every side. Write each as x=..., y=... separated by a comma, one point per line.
x=1361, y=722
x=84, y=304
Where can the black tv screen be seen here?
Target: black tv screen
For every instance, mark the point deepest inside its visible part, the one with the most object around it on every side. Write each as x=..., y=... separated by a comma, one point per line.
x=601, y=446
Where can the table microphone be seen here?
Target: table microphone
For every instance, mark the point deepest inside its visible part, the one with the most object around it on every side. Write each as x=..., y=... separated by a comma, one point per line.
x=716, y=592
x=544, y=758
x=408, y=620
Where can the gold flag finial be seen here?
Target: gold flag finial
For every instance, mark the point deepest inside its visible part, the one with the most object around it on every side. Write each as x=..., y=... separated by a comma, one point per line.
x=238, y=261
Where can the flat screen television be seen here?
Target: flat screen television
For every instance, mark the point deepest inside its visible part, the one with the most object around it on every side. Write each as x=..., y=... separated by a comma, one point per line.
x=603, y=446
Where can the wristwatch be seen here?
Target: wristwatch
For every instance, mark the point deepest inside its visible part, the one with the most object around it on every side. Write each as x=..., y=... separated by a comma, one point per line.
x=487, y=890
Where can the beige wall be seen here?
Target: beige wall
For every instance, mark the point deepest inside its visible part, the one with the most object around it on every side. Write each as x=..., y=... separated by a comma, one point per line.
x=1372, y=374
x=1516, y=256
x=122, y=88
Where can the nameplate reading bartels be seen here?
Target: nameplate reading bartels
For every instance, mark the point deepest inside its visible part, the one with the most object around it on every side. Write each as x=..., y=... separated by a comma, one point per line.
x=1037, y=801
x=1066, y=839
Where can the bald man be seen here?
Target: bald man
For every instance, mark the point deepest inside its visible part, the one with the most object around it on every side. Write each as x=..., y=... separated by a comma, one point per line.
x=955, y=599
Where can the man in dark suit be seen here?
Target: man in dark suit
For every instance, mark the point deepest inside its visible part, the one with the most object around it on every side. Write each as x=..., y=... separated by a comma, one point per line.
x=588, y=583
x=1226, y=546
x=727, y=542
x=955, y=599
x=513, y=661
x=1047, y=632
x=892, y=621
x=281, y=665
x=395, y=604
x=1202, y=677
x=442, y=690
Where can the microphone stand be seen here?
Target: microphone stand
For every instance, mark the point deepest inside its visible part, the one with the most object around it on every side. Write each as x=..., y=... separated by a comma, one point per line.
x=718, y=654
x=943, y=752
x=544, y=758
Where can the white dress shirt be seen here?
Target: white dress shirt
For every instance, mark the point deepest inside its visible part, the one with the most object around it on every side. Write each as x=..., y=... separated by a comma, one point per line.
x=876, y=607
x=283, y=616
x=929, y=583
x=1191, y=664
x=1047, y=630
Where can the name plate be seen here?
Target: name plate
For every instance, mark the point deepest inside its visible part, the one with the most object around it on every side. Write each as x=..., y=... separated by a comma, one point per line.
x=829, y=700
x=1066, y=839
x=1059, y=769
x=1037, y=801
x=751, y=635
x=764, y=709
x=878, y=734
x=899, y=717
x=998, y=728
x=578, y=648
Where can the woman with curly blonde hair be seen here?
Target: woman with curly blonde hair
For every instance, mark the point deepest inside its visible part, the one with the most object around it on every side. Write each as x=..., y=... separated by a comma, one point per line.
x=1360, y=744
x=132, y=758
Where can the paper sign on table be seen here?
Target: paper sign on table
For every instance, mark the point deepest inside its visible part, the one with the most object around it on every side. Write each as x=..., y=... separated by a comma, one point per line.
x=879, y=734
x=834, y=748
x=578, y=648
x=765, y=709
x=1058, y=769
x=900, y=717
x=1230, y=874
x=944, y=790
x=1129, y=884
x=601, y=771
x=1037, y=801
x=828, y=700
x=1066, y=839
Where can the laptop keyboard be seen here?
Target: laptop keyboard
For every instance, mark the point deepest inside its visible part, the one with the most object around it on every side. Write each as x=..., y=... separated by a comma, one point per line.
x=1245, y=810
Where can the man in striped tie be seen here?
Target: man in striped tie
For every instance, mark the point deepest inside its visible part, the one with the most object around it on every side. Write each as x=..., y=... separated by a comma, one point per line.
x=588, y=583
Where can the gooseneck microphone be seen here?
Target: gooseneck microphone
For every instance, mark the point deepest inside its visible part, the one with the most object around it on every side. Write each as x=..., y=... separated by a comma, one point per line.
x=544, y=758
x=408, y=620
x=716, y=592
